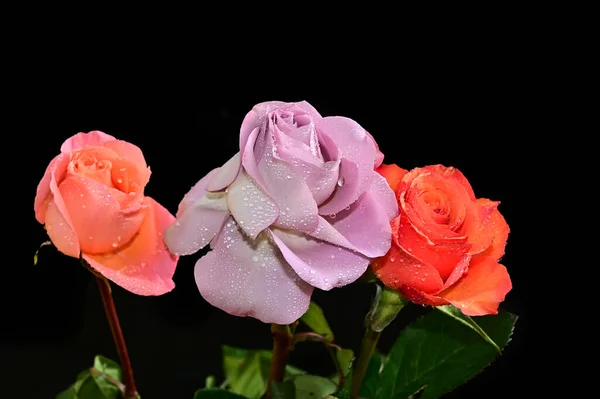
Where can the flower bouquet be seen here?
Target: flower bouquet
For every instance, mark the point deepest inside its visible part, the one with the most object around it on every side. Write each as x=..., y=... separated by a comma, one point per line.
x=306, y=203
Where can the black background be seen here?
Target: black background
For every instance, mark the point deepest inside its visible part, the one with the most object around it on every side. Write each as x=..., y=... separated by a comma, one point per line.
x=470, y=110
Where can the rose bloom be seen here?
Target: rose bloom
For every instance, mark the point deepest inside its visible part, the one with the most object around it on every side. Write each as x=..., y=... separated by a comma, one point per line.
x=300, y=206
x=91, y=201
x=446, y=243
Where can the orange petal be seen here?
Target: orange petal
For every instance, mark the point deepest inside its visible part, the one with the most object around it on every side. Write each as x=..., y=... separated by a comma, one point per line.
x=397, y=269
x=99, y=216
x=393, y=174
x=478, y=225
x=500, y=229
x=55, y=171
x=59, y=224
x=443, y=256
x=60, y=231
x=144, y=266
x=453, y=174
x=421, y=298
x=481, y=289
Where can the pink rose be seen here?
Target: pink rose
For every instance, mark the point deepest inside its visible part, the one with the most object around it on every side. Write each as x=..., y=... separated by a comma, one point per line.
x=299, y=207
x=91, y=201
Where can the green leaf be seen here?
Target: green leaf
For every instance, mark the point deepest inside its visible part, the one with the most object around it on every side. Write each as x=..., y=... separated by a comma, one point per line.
x=455, y=312
x=35, y=255
x=283, y=390
x=370, y=385
x=108, y=367
x=247, y=371
x=436, y=353
x=313, y=387
x=99, y=382
x=345, y=357
x=315, y=319
x=216, y=393
x=69, y=393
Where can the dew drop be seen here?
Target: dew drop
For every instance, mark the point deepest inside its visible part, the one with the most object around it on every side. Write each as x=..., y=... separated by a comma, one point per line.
x=341, y=181
x=254, y=258
x=114, y=245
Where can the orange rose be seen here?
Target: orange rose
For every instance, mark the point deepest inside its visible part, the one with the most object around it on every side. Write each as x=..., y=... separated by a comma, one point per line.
x=446, y=243
x=91, y=201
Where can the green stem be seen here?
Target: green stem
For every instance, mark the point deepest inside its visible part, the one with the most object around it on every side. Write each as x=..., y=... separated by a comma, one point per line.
x=367, y=347
x=282, y=344
x=386, y=306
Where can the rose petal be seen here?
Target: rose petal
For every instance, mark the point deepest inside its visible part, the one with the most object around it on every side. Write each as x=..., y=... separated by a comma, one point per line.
x=500, y=228
x=227, y=174
x=103, y=218
x=387, y=199
x=453, y=174
x=315, y=115
x=250, y=206
x=144, y=266
x=365, y=224
x=254, y=120
x=444, y=256
x=378, y=154
x=393, y=175
x=326, y=232
x=398, y=269
x=198, y=224
x=417, y=182
x=250, y=278
x=480, y=228
x=357, y=153
x=81, y=140
x=59, y=229
x=55, y=171
x=130, y=152
x=297, y=208
x=197, y=191
x=319, y=263
x=250, y=159
x=482, y=288
x=421, y=298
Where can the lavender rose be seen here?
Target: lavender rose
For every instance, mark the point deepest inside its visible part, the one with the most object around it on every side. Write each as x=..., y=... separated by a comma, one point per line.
x=299, y=207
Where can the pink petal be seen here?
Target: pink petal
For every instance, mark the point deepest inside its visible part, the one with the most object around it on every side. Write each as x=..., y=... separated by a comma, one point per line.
x=378, y=154
x=357, y=152
x=320, y=177
x=304, y=105
x=297, y=207
x=55, y=171
x=322, y=265
x=59, y=229
x=80, y=140
x=250, y=206
x=365, y=224
x=250, y=278
x=249, y=158
x=254, y=120
x=103, y=218
x=227, y=174
x=381, y=190
x=144, y=266
x=197, y=225
x=197, y=191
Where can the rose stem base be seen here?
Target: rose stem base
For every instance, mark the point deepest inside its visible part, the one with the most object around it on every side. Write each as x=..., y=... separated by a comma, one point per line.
x=115, y=327
x=282, y=343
